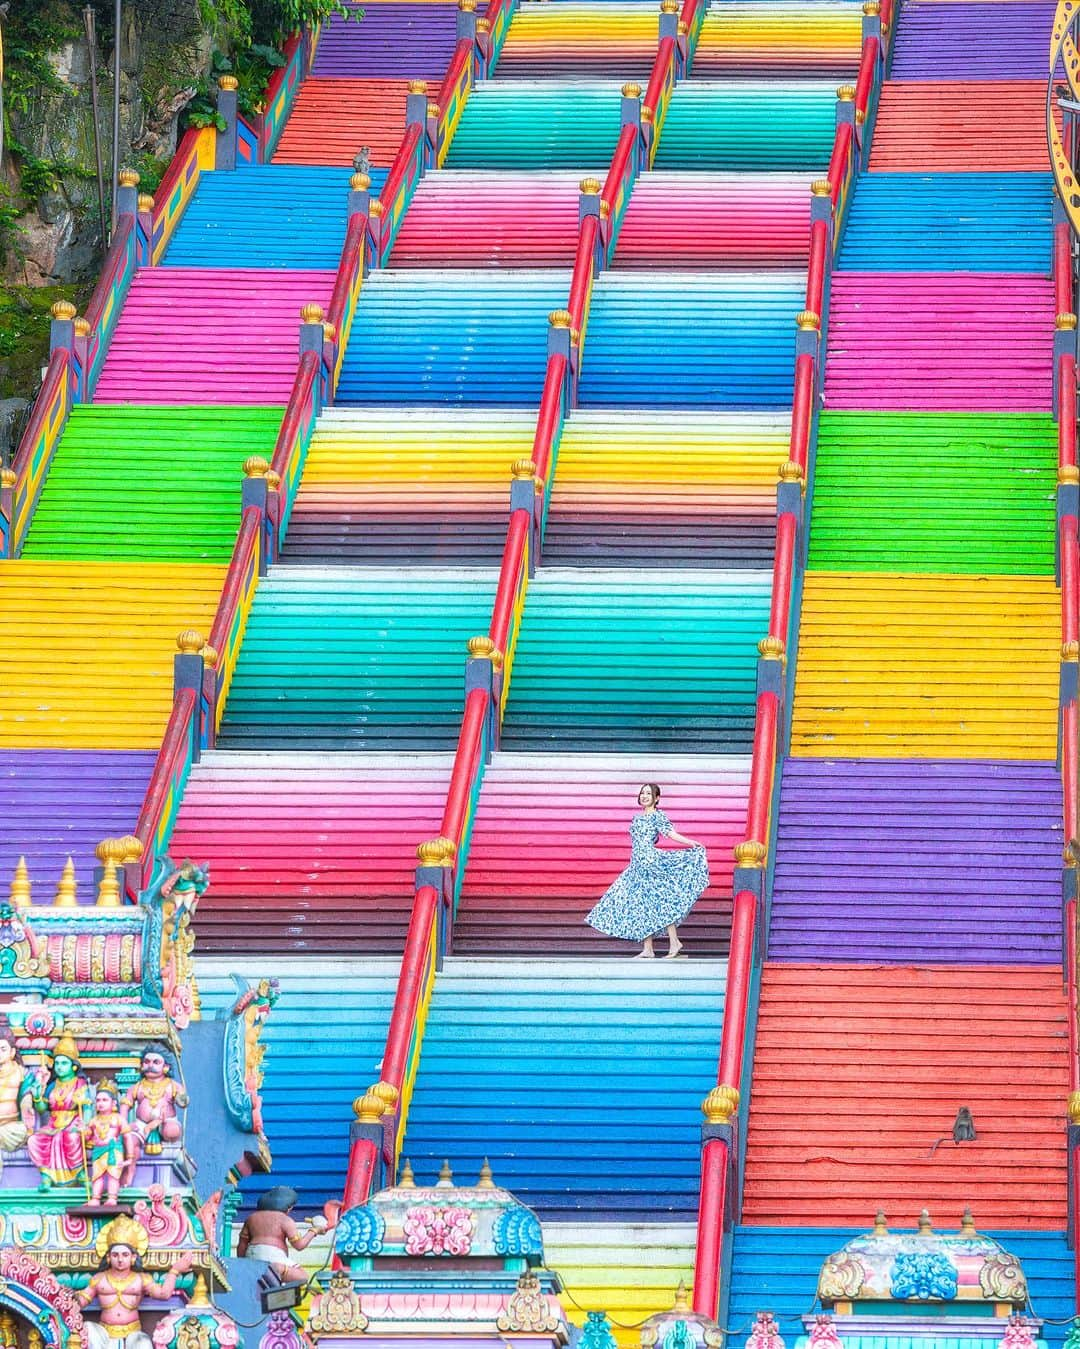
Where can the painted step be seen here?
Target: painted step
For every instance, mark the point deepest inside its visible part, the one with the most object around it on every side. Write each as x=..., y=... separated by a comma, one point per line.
x=901, y=861
x=452, y=336
x=342, y=659
x=549, y=1070
x=309, y=854
x=333, y=119
x=550, y=834
x=776, y=1269
x=939, y=222
x=780, y=39
x=209, y=335
x=929, y=666
x=892, y=1060
x=537, y=124
x=324, y=1043
x=750, y=124
x=409, y=40
x=730, y=339
x=408, y=485
x=630, y=1271
x=975, y=494
x=985, y=41
x=642, y=661
x=72, y=679
x=56, y=804
x=616, y=39
x=939, y=126
x=940, y=341
x=124, y=479
x=702, y=219
x=470, y=218
x=269, y=215
x=634, y=488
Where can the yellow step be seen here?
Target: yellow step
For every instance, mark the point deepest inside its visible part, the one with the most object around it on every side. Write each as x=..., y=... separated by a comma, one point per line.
x=87, y=656
x=932, y=666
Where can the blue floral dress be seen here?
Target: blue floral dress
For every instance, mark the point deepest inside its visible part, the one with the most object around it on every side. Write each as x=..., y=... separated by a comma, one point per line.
x=659, y=887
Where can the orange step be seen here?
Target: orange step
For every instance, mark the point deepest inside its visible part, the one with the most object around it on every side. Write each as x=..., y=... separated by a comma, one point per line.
x=333, y=118
x=859, y=1072
x=956, y=126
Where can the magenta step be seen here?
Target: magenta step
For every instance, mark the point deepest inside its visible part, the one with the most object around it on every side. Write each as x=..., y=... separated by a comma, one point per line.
x=941, y=341
x=56, y=803
x=209, y=335
x=907, y=861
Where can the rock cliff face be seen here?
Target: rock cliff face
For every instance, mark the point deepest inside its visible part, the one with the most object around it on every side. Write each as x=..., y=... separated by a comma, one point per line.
x=164, y=51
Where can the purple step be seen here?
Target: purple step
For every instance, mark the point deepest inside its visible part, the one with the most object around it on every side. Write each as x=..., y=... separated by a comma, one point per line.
x=60, y=802
x=988, y=41
x=413, y=41
x=907, y=861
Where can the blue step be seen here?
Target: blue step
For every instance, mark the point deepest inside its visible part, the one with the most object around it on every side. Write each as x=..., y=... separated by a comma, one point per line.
x=270, y=215
x=776, y=1269
x=581, y=1082
x=426, y=336
x=691, y=339
x=955, y=222
x=324, y=1045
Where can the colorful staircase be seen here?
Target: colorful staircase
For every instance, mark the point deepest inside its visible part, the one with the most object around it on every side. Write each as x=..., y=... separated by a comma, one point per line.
x=914, y=944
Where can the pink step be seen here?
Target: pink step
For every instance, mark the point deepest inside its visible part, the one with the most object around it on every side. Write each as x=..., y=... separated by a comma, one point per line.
x=466, y=219
x=716, y=219
x=940, y=342
x=204, y=335
x=307, y=855
x=551, y=832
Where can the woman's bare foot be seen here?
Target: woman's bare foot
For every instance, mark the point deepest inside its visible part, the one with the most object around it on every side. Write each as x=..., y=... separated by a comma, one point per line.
x=675, y=951
x=646, y=952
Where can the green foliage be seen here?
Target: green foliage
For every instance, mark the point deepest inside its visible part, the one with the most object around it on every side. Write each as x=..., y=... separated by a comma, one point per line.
x=274, y=20
x=24, y=332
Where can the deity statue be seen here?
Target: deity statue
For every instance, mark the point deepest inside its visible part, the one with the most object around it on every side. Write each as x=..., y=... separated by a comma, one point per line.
x=120, y=1286
x=150, y=1105
x=269, y=1233
x=16, y=1092
x=64, y=1098
x=110, y=1144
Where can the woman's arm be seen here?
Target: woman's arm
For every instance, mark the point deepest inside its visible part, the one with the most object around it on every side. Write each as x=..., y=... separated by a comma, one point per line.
x=681, y=838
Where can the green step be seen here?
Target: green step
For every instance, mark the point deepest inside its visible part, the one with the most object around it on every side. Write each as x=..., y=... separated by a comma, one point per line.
x=149, y=482
x=629, y=661
x=351, y=659
x=749, y=124
x=934, y=492
x=544, y=125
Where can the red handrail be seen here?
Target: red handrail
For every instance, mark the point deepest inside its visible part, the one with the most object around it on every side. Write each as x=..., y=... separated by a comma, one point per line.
x=1066, y=407
x=399, y=169
x=815, y=267
x=502, y=611
x=802, y=411
x=175, y=170
x=352, y=252
x=1070, y=580
x=175, y=745
x=624, y=149
x=838, y=161
x=465, y=763
x=114, y=260
x=584, y=265
x=783, y=572
x=247, y=539
x=410, y=986
x=1063, y=288
x=665, y=55
x=461, y=57
x=864, y=82
x=57, y=371
x=547, y=420
x=307, y=372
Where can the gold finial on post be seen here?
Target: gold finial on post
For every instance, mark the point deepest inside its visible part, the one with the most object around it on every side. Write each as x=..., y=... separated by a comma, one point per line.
x=1068, y=473
x=376, y=209
x=631, y=90
x=682, y=28
x=145, y=201
x=132, y=850
x=228, y=83
x=436, y=852
x=485, y=1181
x=417, y=86
x=63, y=310
x=108, y=852
x=750, y=853
x=312, y=313
x=720, y=1104
x=8, y=478
x=255, y=466
x=19, y=895
x=467, y=6
x=790, y=471
x=480, y=648
x=669, y=6
x=771, y=648
x=1065, y=323
x=821, y=187
x=523, y=468
x=590, y=186
x=433, y=110
x=190, y=642
x=66, y=887
x=846, y=93
x=370, y=1107
x=359, y=182
x=483, y=25
x=82, y=327
x=559, y=318
x=128, y=178
x=807, y=321
x=1070, y=651
x=881, y=1224
x=406, y=1181
x=1074, y=1107
x=387, y=1093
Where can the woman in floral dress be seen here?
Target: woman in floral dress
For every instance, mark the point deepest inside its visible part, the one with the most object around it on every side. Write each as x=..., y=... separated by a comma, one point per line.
x=659, y=887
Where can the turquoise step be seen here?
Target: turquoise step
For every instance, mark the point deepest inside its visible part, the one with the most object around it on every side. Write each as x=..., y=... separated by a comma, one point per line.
x=749, y=124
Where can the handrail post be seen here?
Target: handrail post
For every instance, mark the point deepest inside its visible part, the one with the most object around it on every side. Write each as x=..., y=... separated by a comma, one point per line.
x=589, y=205
x=466, y=22
x=225, y=143
x=631, y=116
x=808, y=343
x=255, y=491
x=189, y=672
x=524, y=488
x=1068, y=507
x=1064, y=345
x=436, y=870
x=360, y=203
x=313, y=338
x=669, y=28
x=559, y=345
x=482, y=664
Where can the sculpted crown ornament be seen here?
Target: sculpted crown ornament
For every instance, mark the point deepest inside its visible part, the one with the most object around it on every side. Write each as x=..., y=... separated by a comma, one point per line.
x=528, y=1312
